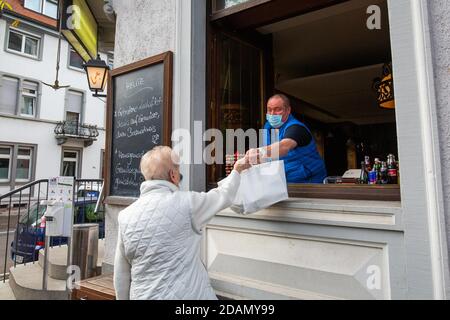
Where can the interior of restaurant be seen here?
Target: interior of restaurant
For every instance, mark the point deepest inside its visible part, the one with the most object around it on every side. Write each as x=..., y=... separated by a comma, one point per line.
x=328, y=62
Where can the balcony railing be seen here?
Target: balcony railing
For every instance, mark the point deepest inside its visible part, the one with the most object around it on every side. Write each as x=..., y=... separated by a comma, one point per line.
x=74, y=130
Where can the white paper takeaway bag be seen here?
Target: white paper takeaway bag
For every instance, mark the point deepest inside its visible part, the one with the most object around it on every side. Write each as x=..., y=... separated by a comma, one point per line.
x=261, y=186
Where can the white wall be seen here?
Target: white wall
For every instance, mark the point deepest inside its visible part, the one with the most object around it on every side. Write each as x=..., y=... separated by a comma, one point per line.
x=440, y=43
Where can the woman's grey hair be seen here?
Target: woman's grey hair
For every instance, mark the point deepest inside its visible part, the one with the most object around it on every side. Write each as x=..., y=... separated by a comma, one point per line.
x=156, y=164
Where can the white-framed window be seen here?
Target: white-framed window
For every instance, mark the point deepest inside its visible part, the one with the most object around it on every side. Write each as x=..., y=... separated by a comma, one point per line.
x=9, y=87
x=46, y=7
x=70, y=163
x=51, y=8
x=75, y=61
x=23, y=43
x=5, y=163
x=29, y=98
x=24, y=163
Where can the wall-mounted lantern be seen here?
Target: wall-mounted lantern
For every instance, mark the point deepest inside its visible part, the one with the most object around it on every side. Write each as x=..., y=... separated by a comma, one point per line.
x=97, y=72
x=384, y=87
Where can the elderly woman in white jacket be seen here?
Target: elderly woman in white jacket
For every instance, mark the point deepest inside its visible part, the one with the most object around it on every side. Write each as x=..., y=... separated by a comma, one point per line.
x=158, y=249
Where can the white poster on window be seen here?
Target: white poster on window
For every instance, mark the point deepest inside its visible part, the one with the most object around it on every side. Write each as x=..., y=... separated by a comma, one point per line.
x=61, y=189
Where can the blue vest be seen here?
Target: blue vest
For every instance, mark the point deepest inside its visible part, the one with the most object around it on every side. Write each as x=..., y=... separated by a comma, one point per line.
x=302, y=164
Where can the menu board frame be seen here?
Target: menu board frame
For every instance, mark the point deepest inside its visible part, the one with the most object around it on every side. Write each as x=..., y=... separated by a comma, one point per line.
x=166, y=59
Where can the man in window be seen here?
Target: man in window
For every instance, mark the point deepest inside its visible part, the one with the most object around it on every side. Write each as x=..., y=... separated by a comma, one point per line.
x=286, y=138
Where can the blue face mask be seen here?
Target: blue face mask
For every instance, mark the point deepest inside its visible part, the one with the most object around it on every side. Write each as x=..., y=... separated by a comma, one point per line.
x=276, y=121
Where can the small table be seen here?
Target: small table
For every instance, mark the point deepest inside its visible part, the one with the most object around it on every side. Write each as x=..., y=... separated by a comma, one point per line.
x=98, y=288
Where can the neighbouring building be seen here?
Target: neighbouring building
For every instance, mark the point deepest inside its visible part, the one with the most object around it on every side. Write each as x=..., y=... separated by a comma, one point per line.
x=44, y=132
x=331, y=241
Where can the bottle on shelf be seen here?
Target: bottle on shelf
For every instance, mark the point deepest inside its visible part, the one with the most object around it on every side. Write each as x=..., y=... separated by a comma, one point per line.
x=367, y=163
x=377, y=168
x=392, y=169
x=363, y=178
x=373, y=177
x=384, y=173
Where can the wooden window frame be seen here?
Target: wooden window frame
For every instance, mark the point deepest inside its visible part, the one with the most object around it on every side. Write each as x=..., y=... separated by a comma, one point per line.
x=322, y=191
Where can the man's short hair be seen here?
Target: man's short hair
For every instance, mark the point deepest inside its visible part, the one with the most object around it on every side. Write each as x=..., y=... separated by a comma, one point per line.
x=156, y=164
x=284, y=98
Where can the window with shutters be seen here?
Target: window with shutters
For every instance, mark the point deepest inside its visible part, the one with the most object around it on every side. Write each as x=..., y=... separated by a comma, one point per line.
x=8, y=95
x=19, y=96
x=74, y=108
x=74, y=112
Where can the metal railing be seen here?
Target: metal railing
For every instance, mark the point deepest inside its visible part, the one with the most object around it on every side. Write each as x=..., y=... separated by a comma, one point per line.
x=75, y=129
x=24, y=232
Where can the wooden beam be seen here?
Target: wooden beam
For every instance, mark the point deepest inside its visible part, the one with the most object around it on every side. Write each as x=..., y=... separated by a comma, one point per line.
x=269, y=12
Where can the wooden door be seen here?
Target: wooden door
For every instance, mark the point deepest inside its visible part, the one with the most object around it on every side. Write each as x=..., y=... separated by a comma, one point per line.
x=239, y=82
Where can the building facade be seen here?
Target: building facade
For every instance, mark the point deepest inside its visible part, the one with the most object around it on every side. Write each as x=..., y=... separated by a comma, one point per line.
x=44, y=132
x=323, y=243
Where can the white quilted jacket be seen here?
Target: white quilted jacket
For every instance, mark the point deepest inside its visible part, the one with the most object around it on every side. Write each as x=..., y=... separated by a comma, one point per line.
x=158, y=249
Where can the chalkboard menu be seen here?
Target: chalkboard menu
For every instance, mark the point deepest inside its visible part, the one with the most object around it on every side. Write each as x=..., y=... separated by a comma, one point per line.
x=139, y=118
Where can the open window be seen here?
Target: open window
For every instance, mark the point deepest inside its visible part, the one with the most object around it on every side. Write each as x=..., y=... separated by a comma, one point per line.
x=335, y=70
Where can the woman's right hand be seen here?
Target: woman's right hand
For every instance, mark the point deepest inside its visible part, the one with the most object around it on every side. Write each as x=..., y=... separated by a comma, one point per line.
x=242, y=164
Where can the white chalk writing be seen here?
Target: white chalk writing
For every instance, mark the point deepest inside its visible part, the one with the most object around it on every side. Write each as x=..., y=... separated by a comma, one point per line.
x=127, y=110
x=135, y=83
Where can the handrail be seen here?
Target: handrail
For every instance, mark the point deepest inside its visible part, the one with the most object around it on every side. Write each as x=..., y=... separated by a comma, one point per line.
x=28, y=202
x=29, y=185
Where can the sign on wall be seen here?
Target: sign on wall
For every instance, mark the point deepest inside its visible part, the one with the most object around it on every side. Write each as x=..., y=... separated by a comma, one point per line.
x=139, y=118
x=80, y=28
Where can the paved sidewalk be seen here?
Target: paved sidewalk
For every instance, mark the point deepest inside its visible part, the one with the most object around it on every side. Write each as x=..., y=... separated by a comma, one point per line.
x=6, y=292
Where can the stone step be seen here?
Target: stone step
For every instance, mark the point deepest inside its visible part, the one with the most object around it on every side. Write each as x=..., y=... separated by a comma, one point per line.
x=57, y=264
x=57, y=267
x=5, y=291
x=258, y=290
x=25, y=282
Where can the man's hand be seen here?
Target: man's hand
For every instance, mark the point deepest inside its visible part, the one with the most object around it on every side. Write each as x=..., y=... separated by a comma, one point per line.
x=274, y=151
x=256, y=156
x=242, y=164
